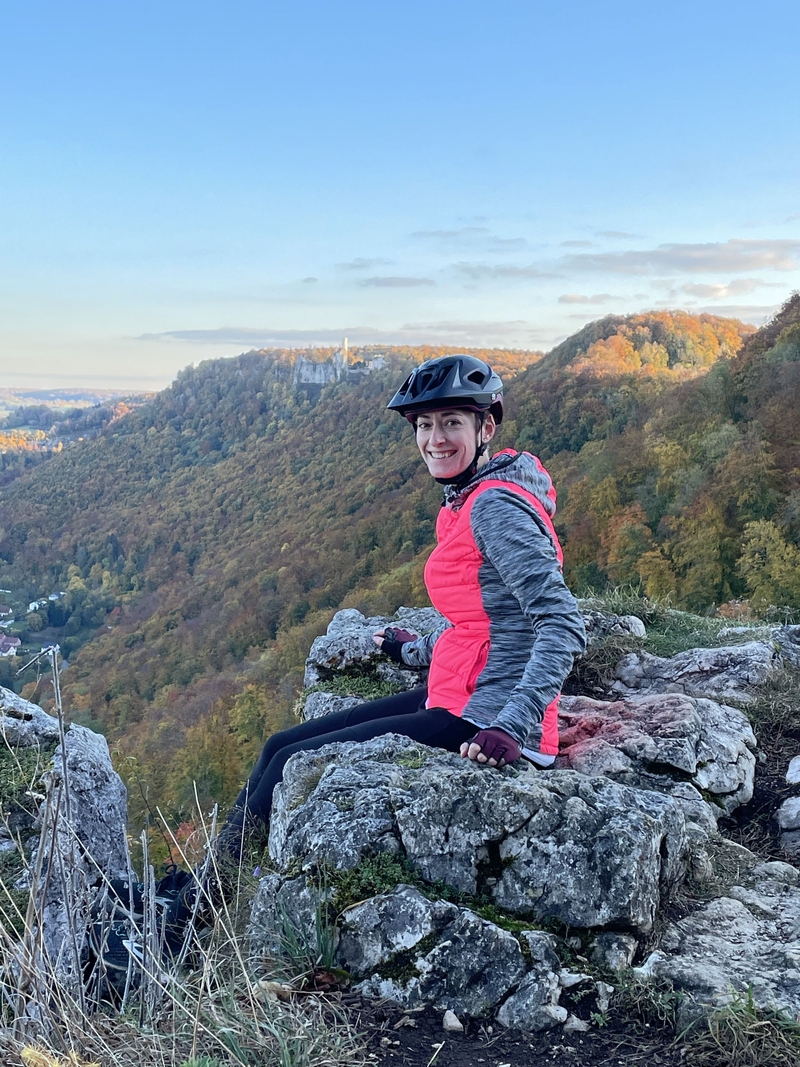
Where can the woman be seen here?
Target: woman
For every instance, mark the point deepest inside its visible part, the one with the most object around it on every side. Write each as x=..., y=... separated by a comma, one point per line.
x=497, y=666
x=495, y=574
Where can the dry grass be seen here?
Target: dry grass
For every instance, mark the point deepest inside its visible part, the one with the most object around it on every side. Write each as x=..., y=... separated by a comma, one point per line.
x=212, y=1009
x=742, y=1035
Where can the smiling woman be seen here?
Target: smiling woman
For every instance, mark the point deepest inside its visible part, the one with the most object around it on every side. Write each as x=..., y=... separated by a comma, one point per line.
x=450, y=441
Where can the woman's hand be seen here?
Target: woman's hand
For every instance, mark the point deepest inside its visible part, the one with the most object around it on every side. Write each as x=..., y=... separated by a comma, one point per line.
x=493, y=746
x=390, y=641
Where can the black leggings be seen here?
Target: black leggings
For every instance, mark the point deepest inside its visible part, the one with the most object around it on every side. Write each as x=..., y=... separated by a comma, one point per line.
x=404, y=714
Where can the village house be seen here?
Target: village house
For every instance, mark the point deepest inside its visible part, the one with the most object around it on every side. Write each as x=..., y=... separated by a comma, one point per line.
x=9, y=645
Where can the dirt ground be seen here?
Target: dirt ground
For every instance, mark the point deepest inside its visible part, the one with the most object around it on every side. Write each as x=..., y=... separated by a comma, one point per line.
x=417, y=1039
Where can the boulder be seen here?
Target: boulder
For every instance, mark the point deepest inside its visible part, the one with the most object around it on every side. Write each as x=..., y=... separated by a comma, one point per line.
x=747, y=941
x=348, y=645
x=470, y=970
x=728, y=673
x=600, y=625
x=793, y=772
x=77, y=837
x=659, y=742
x=584, y=851
x=319, y=704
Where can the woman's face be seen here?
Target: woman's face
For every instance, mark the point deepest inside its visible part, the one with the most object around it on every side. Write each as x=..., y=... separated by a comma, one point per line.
x=447, y=440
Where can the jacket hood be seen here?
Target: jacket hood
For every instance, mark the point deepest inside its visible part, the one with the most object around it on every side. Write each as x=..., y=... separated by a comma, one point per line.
x=519, y=468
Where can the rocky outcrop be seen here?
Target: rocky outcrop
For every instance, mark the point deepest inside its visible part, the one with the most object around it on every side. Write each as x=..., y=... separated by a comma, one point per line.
x=662, y=742
x=71, y=827
x=744, y=942
x=728, y=673
x=565, y=846
x=596, y=845
x=348, y=645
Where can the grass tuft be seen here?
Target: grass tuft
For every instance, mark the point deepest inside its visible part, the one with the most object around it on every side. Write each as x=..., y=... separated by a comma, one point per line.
x=743, y=1035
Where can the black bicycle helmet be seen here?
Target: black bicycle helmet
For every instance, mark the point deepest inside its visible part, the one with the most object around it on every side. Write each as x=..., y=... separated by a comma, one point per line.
x=461, y=381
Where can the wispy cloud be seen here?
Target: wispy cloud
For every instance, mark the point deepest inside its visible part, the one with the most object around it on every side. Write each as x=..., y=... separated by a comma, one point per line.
x=757, y=314
x=309, y=279
x=737, y=287
x=451, y=235
x=478, y=237
x=576, y=244
x=491, y=270
x=729, y=256
x=619, y=235
x=359, y=263
x=580, y=298
x=513, y=333
x=394, y=282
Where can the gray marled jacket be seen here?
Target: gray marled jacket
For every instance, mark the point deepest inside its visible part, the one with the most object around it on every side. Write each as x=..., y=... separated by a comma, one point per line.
x=514, y=627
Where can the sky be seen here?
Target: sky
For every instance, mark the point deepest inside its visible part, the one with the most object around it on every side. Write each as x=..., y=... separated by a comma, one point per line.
x=182, y=181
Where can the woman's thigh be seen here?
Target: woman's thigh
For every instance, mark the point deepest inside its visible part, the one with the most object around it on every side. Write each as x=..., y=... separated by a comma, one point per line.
x=400, y=704
x=431, y=726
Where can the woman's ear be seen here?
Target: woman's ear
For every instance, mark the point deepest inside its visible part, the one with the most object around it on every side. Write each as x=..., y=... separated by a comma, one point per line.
x=489, y=428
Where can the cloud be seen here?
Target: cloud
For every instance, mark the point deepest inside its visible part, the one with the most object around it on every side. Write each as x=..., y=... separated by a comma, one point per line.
x=363, y=264
x=619, y=235
x=476, y=236
x=737, y=287
x=310, y=279
x=576, y=244
x=515, y=333
x=490, y=270
x=792, y=218
x=389, y=282
x=450, y=235
x=730, y=256
x=579, y=298
x=756, y=314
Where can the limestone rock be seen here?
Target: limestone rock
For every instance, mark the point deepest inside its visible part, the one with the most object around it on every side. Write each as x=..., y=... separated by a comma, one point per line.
x=376, y=930
x=451, y=1023
x=728, y=673
x=601, y=624
x=348, y=643
x=793, y=772
x=89, y=843
x=24, y=724
x=748, y=940
x=788, y=640
x=585, y=851
x=613, y=951
x=650, y=742
x=285, y=918
x=471, y=969
x=534, y=1005
x=319, y=704
x=788, y=814
x=78, y=832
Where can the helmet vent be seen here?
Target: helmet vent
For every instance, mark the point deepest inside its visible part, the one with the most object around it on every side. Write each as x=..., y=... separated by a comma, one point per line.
x=476, y=377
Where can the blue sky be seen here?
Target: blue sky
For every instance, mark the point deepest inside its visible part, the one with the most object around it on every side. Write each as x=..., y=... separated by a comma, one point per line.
x=186, y=180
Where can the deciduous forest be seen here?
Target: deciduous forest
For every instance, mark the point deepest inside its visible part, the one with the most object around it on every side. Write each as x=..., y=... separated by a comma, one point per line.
x=203, y=539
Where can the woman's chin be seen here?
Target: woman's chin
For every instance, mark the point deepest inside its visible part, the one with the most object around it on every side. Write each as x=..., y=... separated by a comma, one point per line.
x=443, y=470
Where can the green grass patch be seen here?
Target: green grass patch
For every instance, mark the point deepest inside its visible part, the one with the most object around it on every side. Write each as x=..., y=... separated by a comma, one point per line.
x=366, y=686
x=670, y=631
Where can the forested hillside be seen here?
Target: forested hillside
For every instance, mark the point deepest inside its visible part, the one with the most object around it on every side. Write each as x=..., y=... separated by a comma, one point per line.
x=691, y=488
x=205, y=538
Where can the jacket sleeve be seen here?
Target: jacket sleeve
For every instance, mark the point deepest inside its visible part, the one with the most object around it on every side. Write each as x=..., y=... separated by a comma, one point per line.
x=514, y=539
x=420, y=652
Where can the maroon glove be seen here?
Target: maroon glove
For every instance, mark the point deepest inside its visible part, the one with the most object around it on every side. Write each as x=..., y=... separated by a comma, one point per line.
x=393, y=641
x=497, y=744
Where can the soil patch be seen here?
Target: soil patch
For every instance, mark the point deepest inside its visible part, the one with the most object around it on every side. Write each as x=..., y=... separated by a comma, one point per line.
x=416, y=1039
